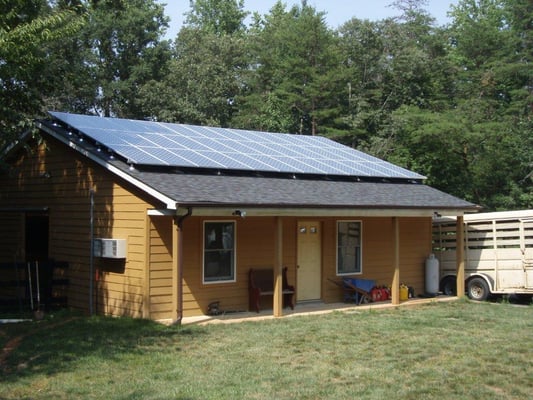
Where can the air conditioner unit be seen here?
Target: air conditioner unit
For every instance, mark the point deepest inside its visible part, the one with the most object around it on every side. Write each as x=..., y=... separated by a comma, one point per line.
x=110, y=248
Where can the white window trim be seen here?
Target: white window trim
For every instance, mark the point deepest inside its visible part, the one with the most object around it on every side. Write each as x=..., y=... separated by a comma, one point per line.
x=337, y=247
x=234, y=266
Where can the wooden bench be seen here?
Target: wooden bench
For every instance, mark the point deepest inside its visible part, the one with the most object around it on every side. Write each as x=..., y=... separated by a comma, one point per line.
x=261, y=283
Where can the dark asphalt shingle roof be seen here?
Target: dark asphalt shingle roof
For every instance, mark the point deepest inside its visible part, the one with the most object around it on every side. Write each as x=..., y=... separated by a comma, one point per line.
x=195, y=187
x=191, y=189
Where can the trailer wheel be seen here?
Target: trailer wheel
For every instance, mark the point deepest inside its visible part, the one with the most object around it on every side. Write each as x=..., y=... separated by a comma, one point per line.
x=449, y=286
x=478, y=289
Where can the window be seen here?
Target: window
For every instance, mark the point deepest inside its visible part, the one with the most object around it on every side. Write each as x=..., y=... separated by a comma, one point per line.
x=348, y=247
x=219, y=252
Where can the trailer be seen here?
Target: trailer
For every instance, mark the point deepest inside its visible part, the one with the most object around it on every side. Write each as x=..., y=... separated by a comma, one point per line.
x=498, y=254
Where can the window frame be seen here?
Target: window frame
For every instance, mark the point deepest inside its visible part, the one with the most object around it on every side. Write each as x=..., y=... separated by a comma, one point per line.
x=360, y=272
x=234, y=253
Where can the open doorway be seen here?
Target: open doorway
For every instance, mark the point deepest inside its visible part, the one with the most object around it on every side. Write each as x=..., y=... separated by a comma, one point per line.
x=36, y=237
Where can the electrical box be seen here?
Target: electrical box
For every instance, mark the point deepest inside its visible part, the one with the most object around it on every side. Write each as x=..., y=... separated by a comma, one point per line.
x=110, y=248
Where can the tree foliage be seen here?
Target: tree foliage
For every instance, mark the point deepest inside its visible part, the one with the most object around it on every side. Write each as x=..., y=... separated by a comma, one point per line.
x=119, y=50
x=218, y=17
x=293, y=69
x=204, y=75
x=452, y=102
x=27, y=28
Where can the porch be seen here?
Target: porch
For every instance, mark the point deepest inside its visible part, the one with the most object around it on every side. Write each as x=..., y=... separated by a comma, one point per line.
x=306, y=309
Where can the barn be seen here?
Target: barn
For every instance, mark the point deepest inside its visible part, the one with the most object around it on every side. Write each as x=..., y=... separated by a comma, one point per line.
x=158, y=220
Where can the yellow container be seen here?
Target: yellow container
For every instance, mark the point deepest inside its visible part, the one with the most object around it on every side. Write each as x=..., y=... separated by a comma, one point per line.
x=404, y=292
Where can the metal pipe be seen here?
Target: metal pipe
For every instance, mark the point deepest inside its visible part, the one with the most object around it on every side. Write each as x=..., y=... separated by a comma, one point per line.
x=30, y=286
x=38, y=285
x=91, y=256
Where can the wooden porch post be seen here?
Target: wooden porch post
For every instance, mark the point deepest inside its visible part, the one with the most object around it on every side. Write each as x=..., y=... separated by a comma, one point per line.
x=395, y=294
x=175, y=268
x=278, y=266
x=146, y=278
x=177, y=264
x=460, y=255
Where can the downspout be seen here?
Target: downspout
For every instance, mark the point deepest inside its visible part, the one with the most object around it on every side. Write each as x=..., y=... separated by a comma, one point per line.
x=91, y=256
x=179, y=222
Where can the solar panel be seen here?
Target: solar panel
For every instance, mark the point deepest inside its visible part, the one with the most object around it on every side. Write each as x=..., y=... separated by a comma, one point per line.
x=181, y=145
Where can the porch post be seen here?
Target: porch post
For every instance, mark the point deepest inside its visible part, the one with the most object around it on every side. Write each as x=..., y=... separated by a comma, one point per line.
x=460, y=255
x=146, y=285
x=395, y=294
x=278, y=266
x=177, y=268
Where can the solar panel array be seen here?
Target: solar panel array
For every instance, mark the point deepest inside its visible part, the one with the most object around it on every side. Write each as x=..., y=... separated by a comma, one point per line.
x=180, y=145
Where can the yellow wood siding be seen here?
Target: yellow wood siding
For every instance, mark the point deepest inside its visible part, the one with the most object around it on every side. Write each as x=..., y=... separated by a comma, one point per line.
x=160, y=265
x=255, y=248
x=413, y=233
x=120, y=212
x=378, y=254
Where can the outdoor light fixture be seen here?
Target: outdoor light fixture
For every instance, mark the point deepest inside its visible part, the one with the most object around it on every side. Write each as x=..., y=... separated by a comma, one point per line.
x=239, y=213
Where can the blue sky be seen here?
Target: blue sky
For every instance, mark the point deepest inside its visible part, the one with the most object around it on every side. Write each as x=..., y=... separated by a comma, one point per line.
x=337, y=11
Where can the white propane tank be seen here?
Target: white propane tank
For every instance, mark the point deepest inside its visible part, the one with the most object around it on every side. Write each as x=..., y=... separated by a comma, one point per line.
x=432, y=275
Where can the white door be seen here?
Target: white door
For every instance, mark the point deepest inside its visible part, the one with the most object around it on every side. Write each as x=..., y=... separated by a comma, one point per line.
x=309, y=261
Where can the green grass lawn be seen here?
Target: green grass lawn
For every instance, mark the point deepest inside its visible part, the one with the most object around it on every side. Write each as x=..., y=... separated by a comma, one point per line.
x=452, y=350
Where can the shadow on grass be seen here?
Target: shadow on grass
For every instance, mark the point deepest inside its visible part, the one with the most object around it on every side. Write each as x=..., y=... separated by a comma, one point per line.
x=55, y=343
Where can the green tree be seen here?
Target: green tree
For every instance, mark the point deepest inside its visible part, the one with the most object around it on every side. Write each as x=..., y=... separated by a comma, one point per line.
x=293, y=79
x=494, y=89
x=219, y=17
x=477, y=144
x=389, y=64
x=204, y=75
x=27, y=29
x=363, y=99
x=120, y=49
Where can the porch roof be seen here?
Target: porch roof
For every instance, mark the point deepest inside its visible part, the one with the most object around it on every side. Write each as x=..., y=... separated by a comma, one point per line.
x=267, y=192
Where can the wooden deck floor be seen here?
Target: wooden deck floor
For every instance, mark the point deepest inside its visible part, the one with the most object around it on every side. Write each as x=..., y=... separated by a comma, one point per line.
x=307, y=308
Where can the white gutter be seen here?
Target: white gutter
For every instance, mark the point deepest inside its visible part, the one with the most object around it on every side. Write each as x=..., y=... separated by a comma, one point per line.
x=307, y=212
x=169, y=202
